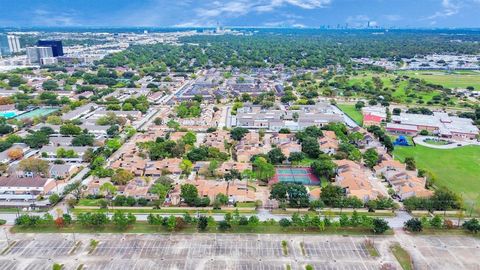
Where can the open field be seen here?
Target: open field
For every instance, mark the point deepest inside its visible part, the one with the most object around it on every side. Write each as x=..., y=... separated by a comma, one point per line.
x=454, y=80
x=353, y=113
x=232, y=251
x=457, y=169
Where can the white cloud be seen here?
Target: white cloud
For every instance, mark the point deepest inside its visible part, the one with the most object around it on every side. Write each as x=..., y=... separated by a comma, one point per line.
x=449, y=8
x=47, y=18
x=219, y=10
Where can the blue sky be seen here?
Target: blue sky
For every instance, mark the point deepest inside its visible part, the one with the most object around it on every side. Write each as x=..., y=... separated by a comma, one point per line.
x=260, y=13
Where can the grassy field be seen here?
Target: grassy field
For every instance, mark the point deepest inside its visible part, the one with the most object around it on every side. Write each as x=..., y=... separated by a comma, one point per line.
x=399, y=93
x=457, y=169
x=454, y=80
x=352, y=112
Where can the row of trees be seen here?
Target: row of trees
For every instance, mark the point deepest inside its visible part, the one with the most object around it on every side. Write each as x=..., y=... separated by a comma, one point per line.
x=296, y=196
x=437, y=222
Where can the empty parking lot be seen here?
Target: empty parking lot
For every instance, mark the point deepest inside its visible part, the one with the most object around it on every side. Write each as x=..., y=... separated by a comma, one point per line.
x=228, y=251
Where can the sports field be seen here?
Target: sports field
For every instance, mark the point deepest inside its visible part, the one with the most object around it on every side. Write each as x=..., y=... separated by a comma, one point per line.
x=457, y=169
x=302, y=176
x=37, y=113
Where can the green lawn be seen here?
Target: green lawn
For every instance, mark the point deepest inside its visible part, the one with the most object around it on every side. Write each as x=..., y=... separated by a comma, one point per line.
x=457, y=169
x=350, y=110
x=453, y=80
x=89, y=202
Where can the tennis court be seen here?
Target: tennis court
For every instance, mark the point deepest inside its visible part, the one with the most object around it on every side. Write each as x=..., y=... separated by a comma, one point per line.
x=302, y=176
x=39, y=112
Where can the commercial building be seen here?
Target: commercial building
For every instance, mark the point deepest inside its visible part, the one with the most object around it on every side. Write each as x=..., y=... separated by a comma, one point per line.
x=256, y=117
x=38, y=55
x=439, y=123
x=56, y=45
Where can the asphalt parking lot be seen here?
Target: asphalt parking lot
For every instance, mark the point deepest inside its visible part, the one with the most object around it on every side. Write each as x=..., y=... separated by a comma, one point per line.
x=230, y=251
x=449, y=252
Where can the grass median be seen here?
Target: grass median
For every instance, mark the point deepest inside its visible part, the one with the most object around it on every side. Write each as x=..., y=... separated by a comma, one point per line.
x=144, y=227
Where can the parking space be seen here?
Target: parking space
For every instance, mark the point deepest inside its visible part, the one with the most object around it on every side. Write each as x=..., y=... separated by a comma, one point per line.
x=345, y=266
x=49, y=248
x=233, y=251
x=449, y=252
x=135, y=265
x=336, y=250
x=244, y=265
x=8, y=265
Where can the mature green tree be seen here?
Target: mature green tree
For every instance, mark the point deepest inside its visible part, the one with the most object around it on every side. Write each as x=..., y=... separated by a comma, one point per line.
x=189, y=193
x=276, y=156
x=370, y=157
x=296, y=157
x=122, y=176
x=50, y=85
x=331, y=194
x=410, y=162
x=189, y=138
x=186, y=166
x=263, y=170
x=70, y=129
x=122, y=220
x=324, y=168
x=238, y=133
x=83, y=140
x=311, y=147
x=279, y=192
x=36, y=140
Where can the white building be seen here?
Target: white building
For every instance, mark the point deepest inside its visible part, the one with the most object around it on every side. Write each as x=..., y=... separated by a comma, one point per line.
x=36, y=54
x=13, y=43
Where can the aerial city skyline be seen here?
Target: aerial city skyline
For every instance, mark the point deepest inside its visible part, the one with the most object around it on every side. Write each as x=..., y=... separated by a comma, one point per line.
x=239, y=135
x=243, y=13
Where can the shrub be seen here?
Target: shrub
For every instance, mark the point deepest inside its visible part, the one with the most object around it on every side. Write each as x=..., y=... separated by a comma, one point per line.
x=413, y=225
x=224, y=225
x=284, y=222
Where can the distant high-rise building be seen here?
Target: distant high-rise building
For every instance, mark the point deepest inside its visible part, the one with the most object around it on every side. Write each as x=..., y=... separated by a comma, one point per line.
x=13, y=43
x=4, y=49
x=36, y=54
x=56, y=45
